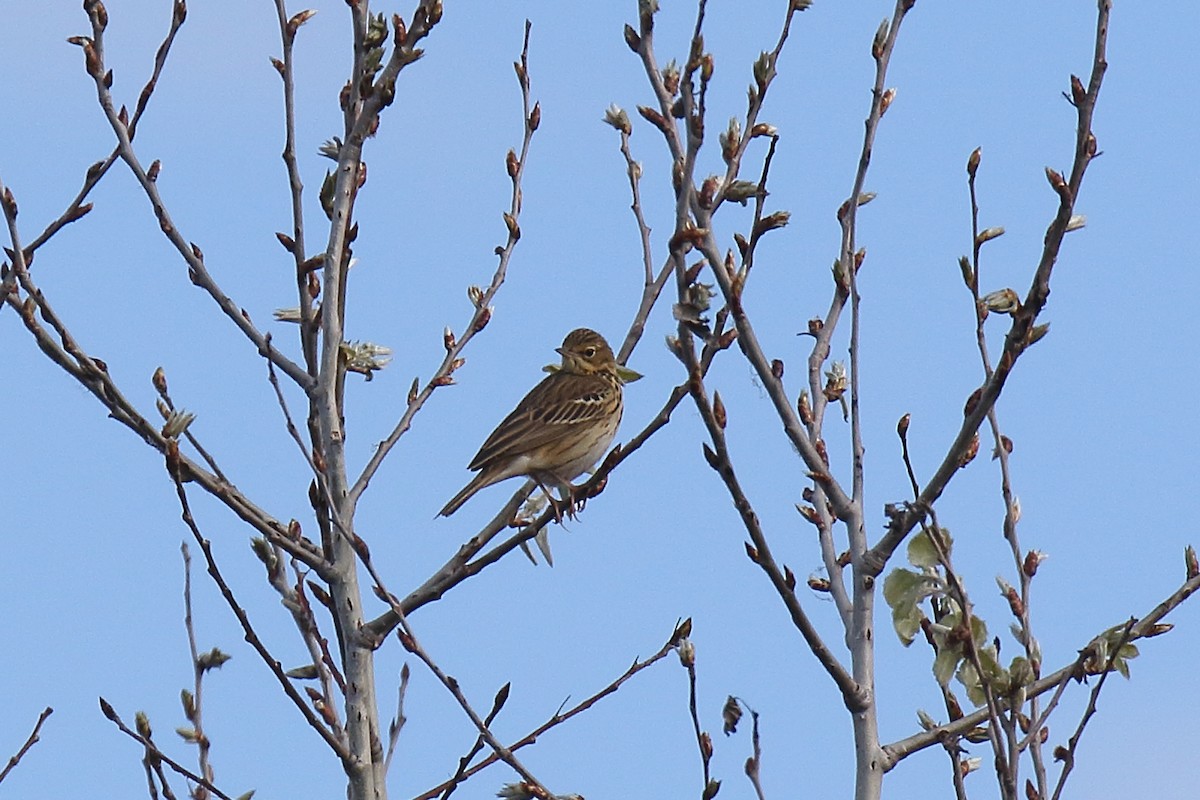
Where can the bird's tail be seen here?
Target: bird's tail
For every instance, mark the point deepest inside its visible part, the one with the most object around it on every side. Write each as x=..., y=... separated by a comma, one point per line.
x=478, y=482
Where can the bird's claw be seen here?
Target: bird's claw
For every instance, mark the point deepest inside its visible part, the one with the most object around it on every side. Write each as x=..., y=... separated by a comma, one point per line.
x=569, y=507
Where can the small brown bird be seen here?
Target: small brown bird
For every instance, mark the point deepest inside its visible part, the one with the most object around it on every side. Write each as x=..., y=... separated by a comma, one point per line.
x=561, y=428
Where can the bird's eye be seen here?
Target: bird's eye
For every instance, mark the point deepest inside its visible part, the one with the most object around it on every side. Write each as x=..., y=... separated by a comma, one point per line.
x=589, y=352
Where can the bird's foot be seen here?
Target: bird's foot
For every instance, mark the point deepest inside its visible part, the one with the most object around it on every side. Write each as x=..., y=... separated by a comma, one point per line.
x=567, y=507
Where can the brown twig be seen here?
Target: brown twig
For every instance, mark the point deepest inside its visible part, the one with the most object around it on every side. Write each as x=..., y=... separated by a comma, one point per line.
x=754, y=763
x=1021, y=333
x=194, y=711
x=1001, y=448
x=1005, y=762
x=335, y=737
x=505, y=754
x=287, y=418
x=482, y=312
x=295, y=243
x=1067, y=754
x=558, y=718
x=76, y=208
x=463, y=763
x=760, y=553
x=197, y=271
x=687, y=656
x=156, y=757
x=296, y=600
x=398, y=721
x=652, y=284
x=850, y=260
x=160, y=386
x=34, y=738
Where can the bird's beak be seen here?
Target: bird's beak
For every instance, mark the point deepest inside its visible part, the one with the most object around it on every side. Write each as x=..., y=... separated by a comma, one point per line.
x=559, y=350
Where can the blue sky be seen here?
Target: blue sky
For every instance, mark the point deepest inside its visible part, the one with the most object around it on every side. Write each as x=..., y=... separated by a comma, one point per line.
x=1100, y=411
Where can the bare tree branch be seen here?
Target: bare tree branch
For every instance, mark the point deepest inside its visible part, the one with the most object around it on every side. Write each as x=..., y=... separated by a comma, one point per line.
x=96, y=171
x=197, y=272
x=412, y=645
x=194, y=710
x=34, y=738
x=156, y=756
x=1022, y=333
x=558, y=718
x=444, y=375
x=306, y=282
x=336, y=738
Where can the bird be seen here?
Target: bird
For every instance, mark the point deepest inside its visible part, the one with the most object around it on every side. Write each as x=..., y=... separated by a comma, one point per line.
x=561, y=428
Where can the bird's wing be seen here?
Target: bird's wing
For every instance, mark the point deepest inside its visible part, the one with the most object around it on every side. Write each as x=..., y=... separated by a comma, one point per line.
x=547, y=414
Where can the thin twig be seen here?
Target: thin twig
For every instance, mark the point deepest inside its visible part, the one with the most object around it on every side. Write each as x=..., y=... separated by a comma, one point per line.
x=197, y=271
x=287, y=417
x=334, y=738
x=157, y=755
x=413, y=645
x=687, y=654
x=478, y=745
x=195, y=710
x=33, y=739
x=76, y=209
x=296, y=600
x=1001, y=446
x=1005, y=763
x=1021, y=333
x=398, y=721
x=160, y=386
x=482, y=312
x=296, y=245
x=652, y=284
x=558, y=718
x=896, y=751
x=754, y=763
x=781, y=580
x=1068, y=753
x=850, y=259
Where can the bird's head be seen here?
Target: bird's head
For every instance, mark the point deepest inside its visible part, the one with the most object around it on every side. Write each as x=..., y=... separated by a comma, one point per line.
x=584, y=352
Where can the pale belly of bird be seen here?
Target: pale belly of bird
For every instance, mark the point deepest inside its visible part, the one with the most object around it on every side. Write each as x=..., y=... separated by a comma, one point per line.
x=577, y=454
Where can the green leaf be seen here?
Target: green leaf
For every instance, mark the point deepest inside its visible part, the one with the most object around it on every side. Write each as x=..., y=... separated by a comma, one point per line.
x=906, y=619
x=997, y=675
x=922, y=553
x=969, y=678
x=979, y=633
x=901, y=586
x=628, y=375
x=1121, y=660
x=903, y=590
x=1021, y=672
x=945, y=664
